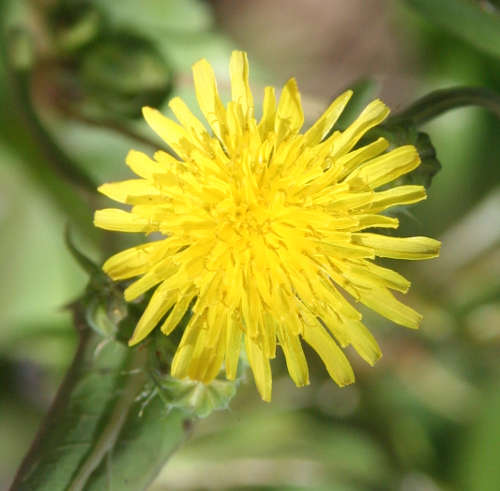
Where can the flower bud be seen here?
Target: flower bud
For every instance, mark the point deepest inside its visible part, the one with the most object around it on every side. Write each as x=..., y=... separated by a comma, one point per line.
x=124, y=72
x=75, y=25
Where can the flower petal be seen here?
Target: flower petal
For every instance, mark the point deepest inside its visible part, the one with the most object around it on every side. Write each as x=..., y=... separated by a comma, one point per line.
x=161, y=302
x=260, y=367
x=179, y=310
x=294, y=356
x=363, y=342
x=267, y=121
x=207, y=356
x=372, y=115
x=369, y=274
x=289, y=115
x=325, y=122
x=233, y=346
x=399, y=247
x=387, y=167
x=351, y=160
x=400, y=195
x=191, y=123
x=142, y=165
x=336, y=363
x=183, y=355
x=169, y=131
x=208, y=98
x=240, y=88
x=134, y=261
x=159, y=272
x=121, y=221
x=383, y=301
x=377, y=221
x=125, y=191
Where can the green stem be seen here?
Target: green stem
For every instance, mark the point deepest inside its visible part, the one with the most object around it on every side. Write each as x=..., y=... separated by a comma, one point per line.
x=112, y=125
x=440, y=101
x=94, y=433
x=24, y=135
x=35, y=453
x=19, y=85
x=117, y=418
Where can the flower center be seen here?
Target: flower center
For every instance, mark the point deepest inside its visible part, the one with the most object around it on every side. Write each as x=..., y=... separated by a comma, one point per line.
x=241, y=220
x=250, y=220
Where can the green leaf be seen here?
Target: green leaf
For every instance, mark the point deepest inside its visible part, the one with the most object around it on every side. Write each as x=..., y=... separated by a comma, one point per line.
x=118, y=416
x=466, y=19
x=93, y=432
x=76, y=417
x=148, y=439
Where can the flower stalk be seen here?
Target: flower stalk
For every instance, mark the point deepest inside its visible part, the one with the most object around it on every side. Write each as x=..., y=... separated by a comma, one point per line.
x=438, y=102
x=93, y=435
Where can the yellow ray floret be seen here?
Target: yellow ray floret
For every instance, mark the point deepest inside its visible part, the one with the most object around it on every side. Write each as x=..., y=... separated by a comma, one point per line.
x=264, y=231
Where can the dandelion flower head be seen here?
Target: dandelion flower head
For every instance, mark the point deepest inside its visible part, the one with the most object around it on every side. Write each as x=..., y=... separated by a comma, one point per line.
x=265, y=231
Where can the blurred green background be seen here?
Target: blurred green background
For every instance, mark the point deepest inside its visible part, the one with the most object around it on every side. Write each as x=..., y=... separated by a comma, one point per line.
x=73, y=76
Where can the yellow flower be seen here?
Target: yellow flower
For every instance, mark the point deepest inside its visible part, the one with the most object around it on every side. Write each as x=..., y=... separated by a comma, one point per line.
x=263, y=230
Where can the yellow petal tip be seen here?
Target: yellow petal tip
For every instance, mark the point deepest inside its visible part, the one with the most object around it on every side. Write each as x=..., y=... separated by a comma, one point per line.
x=147, y=110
